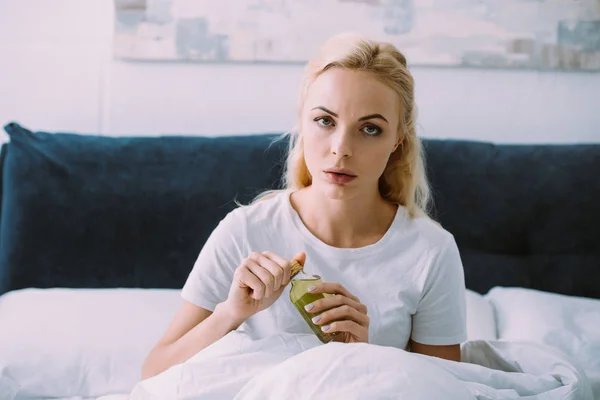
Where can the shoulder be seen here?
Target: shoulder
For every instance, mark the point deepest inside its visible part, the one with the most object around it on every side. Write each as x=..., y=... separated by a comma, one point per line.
x=429, y=234
x=261, y=213
x=439, y=269
x=244, y=224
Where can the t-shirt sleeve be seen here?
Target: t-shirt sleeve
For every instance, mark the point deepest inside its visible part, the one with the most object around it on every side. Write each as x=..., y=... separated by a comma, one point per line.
x=210, y=279
x=440, y=318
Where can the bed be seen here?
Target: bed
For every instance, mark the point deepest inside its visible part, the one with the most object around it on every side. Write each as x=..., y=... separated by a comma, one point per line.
x=98, y=234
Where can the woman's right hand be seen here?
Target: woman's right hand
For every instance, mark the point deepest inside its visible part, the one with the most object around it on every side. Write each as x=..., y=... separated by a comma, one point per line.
x=257, y=284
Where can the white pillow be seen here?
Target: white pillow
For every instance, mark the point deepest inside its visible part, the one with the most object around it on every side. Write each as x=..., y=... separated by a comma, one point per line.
x=80, y=342
x=571, y=324
x=481, y=323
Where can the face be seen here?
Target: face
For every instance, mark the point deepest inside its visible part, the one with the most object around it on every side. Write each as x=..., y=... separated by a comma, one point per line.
x=349, y=128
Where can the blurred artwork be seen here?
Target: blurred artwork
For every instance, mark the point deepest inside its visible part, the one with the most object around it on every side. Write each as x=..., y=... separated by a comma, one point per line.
x=530, y=34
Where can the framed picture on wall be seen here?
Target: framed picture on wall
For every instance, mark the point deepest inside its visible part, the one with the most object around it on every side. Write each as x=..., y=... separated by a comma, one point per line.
x=550, y=34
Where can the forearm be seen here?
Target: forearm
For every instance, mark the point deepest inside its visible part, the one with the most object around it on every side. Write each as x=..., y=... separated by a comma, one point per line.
x=213, y=328
x=451, y=352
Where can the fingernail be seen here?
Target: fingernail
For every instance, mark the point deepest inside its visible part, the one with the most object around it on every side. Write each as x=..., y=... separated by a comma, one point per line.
x=316, y=319
x=325, y=328
x=311, y=288
x=309, y=307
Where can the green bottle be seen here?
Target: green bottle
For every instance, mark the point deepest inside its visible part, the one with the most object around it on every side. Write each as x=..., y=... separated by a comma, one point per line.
x=300, y=297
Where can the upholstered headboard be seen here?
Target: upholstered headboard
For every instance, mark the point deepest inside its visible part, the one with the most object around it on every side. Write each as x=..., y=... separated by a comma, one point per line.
x=522, y=215
x=93, y=211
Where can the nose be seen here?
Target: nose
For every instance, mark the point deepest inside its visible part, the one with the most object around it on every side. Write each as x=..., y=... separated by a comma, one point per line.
x=341, y=143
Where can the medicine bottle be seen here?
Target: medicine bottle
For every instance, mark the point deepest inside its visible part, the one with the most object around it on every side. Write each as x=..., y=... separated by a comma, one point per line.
x=300, y=297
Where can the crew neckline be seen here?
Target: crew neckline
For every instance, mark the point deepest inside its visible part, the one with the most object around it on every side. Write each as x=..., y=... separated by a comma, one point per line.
x=344, y=252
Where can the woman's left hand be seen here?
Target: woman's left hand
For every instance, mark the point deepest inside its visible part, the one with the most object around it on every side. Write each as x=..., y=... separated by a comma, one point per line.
x=342, y=313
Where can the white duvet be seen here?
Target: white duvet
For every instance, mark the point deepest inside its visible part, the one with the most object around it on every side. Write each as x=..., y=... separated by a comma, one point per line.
x=79, y=344
x=299, y=366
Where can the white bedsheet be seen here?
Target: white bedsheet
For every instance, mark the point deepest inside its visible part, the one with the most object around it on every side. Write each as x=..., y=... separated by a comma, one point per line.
x=237, y=367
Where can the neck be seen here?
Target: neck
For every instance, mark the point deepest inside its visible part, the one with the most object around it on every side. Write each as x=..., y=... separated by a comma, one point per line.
x=353, y=222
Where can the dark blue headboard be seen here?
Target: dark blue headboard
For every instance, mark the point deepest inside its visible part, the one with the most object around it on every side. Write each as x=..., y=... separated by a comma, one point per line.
x=92, y=211
x=522, y=215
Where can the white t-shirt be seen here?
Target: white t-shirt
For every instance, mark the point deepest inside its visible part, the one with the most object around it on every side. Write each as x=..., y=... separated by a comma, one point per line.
x=411, y=280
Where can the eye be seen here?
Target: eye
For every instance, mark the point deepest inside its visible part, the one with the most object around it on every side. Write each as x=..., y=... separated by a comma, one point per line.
x=324, y=121
x=371, y=130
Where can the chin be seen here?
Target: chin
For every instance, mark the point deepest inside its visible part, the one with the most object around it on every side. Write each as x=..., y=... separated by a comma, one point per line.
x=336, y=192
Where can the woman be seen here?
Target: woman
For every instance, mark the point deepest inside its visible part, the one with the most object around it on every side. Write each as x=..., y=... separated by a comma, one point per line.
x=354, y=211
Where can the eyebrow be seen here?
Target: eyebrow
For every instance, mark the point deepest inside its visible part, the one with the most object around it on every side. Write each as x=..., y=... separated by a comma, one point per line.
x=366, y=117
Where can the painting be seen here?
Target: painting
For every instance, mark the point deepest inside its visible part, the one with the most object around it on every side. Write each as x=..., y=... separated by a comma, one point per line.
x=530, y=34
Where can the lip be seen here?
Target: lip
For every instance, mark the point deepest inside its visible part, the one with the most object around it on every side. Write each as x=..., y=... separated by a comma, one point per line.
x=339, y=179
x=343, y=171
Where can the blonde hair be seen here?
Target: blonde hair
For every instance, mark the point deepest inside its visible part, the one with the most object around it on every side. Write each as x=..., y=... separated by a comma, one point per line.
x=403, y=181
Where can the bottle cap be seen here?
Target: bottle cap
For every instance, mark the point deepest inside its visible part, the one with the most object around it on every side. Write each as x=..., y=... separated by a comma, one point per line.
x=296, y=267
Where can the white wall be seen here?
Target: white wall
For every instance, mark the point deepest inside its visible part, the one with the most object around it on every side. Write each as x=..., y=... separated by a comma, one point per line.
x=57, y=74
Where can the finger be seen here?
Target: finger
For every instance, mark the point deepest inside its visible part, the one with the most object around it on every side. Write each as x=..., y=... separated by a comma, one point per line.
x=341, y=313
x=264, y=275
x=248, y=279
x=351, y=327
x=275, y=269
x=281, y=263
x=329, y=302
x=285, y=264
x=276, y=258
x=301, y=257
x=333, y=288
